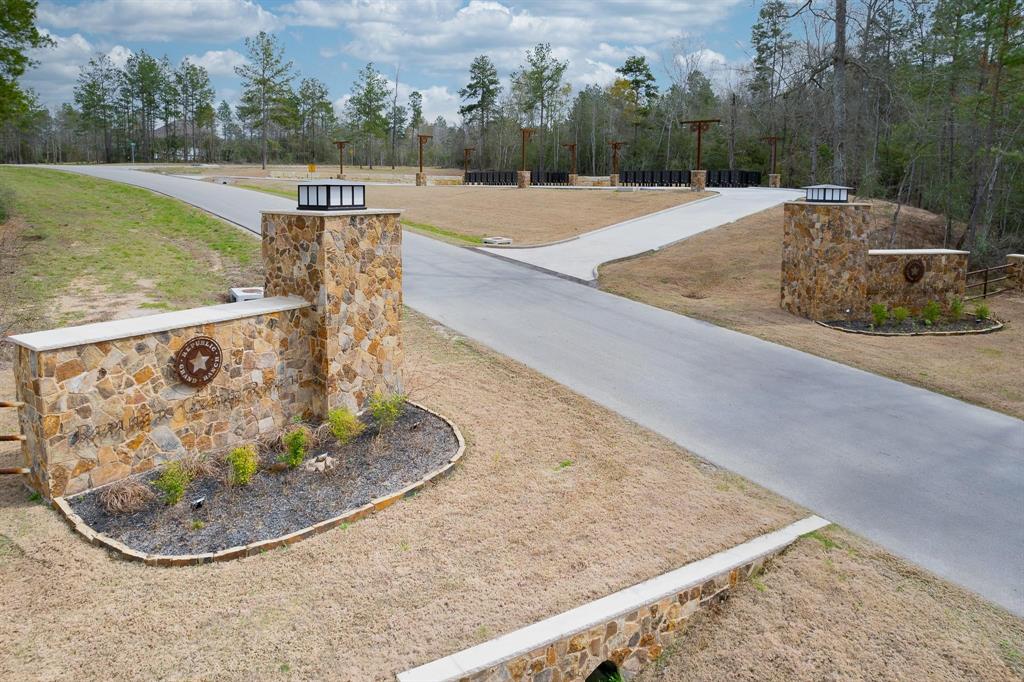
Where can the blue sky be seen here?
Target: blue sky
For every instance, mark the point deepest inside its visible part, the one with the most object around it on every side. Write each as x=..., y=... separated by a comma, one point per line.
x=431, y=41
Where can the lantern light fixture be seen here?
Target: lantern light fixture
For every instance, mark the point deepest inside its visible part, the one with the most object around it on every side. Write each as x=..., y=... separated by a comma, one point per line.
x=331, y=195
x=833, y=194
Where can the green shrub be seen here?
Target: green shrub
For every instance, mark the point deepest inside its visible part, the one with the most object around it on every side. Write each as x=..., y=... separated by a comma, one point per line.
x=295, y=443
x=344, y=425
x=172, y=483
x=900, y=314
x=930, y=312
x=956, y=309
x=243, y=462
x=880, y=313
x=386, y=409
x=981, y=311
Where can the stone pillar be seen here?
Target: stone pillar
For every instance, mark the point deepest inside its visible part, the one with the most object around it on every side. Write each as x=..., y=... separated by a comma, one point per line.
x=574, y=180
x=349, y=265
x=825, y=260
x=339, y=177
x=421, y=179
x=698, y=180
x=613, y=180
x=1016, y=270
x=522, y=179
x=774, y=180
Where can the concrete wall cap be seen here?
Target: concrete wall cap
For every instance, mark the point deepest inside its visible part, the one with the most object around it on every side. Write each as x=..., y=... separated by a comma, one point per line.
x=68, y=337
x=916, y=252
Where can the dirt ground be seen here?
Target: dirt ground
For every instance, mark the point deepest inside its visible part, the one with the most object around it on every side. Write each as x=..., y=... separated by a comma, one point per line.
x=837, y=608
x=557, y=502
x=730, y=276
x=536, y=216
x=329, y=169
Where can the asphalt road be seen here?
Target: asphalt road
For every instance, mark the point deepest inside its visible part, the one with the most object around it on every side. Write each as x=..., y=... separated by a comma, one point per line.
x=933, y=479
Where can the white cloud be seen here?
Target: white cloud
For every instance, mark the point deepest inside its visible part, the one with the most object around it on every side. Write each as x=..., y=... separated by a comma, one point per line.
x=161, y=20
x=54, y=78
x=218, y=62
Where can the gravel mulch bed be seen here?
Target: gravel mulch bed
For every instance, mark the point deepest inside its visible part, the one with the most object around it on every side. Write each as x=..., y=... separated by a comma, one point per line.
x=276, y=503
x=912, y=327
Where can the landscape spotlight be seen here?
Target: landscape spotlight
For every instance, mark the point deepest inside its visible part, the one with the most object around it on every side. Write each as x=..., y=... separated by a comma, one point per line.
x=836, y=194
x=331, y=195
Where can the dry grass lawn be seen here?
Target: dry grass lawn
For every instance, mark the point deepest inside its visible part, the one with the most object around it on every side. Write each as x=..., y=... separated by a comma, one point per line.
x=838, y=608
x=730, y=276
x=557, y=502
x=536, y=216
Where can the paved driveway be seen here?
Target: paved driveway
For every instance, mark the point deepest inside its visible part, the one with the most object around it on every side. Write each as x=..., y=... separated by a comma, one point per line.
x=936, y=480
x=578, y=258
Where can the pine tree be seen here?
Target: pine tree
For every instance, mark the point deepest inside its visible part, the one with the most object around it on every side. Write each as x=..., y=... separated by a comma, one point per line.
x=481, y=97
x=263, y=79
x=366, y=109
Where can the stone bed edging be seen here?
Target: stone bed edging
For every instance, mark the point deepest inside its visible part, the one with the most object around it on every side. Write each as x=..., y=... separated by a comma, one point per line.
x=866, y=332
x=629, y=627
x=261, y=546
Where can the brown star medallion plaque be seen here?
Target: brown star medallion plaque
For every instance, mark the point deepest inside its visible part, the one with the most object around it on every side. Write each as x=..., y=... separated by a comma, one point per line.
x=198, y=361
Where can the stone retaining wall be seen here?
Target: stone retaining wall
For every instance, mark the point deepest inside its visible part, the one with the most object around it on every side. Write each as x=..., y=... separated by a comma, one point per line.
x=97, y=412
x=628, y=628
x=944, y=278
x=829, y=273
x=103, y=401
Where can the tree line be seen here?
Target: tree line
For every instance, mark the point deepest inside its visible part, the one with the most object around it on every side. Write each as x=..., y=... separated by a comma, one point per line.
x=914, y=101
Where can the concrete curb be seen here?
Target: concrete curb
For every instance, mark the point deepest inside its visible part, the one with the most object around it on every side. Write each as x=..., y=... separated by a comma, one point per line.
x=487, y=658
x=261, y=546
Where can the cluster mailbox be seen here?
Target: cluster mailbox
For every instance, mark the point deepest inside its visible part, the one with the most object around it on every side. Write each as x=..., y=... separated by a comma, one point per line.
x=331, y=196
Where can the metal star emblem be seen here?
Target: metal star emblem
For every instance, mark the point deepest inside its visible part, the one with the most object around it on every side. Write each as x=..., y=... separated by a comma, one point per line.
x=199, y=362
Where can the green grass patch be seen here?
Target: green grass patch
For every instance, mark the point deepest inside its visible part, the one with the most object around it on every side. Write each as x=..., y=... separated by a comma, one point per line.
x=121, y=238
x=441, y=232
x=268, y=190
x=826, y=541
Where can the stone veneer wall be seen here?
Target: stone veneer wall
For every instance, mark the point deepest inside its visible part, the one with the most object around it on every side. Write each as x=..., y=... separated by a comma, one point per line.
x=97, y=412
x=945, y=277
x=1016, y=263
x=102, y=401
x=629, y=628
x=824, y=260
x=350, y=267
x=630, y=641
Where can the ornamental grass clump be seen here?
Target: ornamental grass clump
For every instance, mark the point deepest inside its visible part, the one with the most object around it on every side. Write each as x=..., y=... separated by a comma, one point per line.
x=295, y=443
x=981, y=311
x=900, y=314
x=344, y=425
x=198, y=466
x=386, y=409
x=879, y=313
x=172, y=483
x=931, y=312
x=126, y=496
x=243, y=463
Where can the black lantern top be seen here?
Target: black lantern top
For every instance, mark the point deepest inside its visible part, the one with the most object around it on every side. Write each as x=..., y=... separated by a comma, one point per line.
x=829, y=193
x=331, y=195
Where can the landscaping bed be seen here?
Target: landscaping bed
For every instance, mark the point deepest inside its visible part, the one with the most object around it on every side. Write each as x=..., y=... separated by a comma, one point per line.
x=278, y=500
x=911, y=327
